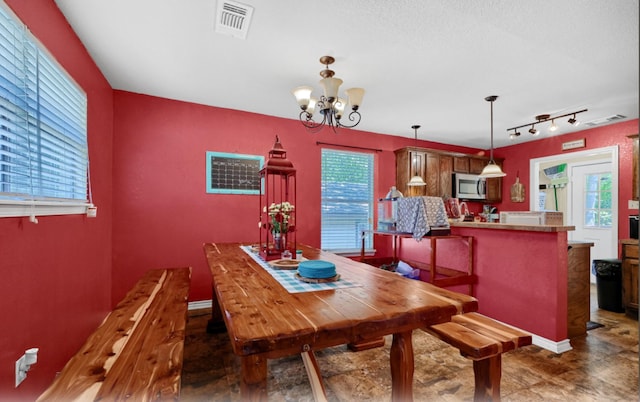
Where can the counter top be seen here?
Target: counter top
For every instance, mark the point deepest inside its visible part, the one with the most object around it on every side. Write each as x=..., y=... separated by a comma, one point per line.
x=578, y=244
x=506, y=226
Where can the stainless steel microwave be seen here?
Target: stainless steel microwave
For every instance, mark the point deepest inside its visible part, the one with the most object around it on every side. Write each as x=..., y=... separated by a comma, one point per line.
x=469, y=186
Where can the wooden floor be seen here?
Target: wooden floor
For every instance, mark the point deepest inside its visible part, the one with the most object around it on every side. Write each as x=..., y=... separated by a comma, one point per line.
x=603, y=366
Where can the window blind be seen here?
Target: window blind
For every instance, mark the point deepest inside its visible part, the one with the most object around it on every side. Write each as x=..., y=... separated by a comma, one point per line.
x=347, y=200
x=43, y=125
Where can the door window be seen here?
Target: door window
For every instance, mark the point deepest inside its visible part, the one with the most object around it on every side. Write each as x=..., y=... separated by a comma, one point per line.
x=597, y=201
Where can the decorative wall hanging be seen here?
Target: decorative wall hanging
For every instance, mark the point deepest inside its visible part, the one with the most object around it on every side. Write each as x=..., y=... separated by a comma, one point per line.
x=229, y=173
x=517, y=190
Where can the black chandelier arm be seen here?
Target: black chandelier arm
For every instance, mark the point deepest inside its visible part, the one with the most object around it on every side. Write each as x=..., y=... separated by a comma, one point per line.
x=547, y=119
x=354, y=116
x=307, y=120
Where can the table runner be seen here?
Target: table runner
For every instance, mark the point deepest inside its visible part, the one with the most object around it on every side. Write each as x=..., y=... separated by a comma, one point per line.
x=286, y=277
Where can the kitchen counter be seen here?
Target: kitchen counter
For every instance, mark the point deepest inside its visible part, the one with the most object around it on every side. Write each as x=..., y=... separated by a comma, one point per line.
x=506, y=226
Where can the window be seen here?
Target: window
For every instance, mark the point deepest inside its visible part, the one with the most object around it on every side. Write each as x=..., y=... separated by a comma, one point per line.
x=43, y=129
x=597, y=198
x=347, y=200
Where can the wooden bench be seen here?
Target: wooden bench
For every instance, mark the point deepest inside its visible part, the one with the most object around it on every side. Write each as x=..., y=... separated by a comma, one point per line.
x=136, y=353
x=483, y=340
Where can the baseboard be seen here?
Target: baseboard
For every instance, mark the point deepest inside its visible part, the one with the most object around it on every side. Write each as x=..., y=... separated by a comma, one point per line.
x=555, y=347
x=200, y=304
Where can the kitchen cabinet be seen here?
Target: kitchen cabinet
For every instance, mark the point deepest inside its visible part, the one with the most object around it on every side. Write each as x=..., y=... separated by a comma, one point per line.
x=635, y=192
x=433, y=175
x=494, y=188
x=436, y=167
x=410, y=162
x=446, y=170
x=630, y=275
x=461, y=164
x=476, y=165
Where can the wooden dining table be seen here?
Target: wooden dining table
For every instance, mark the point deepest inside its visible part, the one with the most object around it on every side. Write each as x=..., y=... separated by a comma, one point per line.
x=265, y=321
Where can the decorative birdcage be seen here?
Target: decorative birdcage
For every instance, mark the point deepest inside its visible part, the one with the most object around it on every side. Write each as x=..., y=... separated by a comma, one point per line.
x=277, y=205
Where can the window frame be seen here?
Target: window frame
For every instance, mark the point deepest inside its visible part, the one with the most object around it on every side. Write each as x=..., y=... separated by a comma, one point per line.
x=29, y=204
x=368, y=231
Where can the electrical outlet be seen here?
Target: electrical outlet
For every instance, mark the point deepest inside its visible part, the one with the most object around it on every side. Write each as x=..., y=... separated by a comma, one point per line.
x=20, y=374
x=633, y=204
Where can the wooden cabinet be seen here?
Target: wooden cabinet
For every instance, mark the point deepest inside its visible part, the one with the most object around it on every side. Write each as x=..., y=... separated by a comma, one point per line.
x=630, y=275
x=435, y=167
x=635, y=191
x=461, y=164
x=494, y=188
x=477, y=164
x=446, y=170
x=433, y=175
x=410, y=162
x=578, y=288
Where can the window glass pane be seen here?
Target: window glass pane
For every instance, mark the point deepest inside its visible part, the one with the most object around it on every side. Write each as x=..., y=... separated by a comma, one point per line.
x=597, y=201
x=347, y=199
x=43, y=122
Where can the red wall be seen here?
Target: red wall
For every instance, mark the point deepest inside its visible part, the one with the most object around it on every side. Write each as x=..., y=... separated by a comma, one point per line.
x=56, y=275
x=517, y=159
x=60, y=277
x=162, y=213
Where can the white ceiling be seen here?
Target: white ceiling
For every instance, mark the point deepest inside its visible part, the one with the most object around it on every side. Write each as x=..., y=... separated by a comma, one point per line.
x=427, y=62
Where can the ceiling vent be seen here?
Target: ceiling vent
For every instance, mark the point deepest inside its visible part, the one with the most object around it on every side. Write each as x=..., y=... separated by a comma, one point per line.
x=604, y=120
x=233, y=18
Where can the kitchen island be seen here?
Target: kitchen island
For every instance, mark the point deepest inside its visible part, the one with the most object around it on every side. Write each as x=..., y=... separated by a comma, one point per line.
x=522, y=275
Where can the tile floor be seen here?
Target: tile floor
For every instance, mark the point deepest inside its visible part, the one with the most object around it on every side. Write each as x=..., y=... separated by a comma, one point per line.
x=603, y=366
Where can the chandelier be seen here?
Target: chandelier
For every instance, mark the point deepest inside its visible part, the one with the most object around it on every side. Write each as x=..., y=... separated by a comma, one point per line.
x=331, y=107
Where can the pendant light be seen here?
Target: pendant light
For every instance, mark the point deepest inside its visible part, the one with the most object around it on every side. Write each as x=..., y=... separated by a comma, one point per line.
x=492, y=169
x=417, y=179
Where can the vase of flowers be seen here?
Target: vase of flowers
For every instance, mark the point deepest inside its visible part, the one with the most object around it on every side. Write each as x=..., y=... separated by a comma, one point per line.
x=280, y=222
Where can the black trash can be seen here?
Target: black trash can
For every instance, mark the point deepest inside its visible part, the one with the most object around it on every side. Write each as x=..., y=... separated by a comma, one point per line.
x=608, y=274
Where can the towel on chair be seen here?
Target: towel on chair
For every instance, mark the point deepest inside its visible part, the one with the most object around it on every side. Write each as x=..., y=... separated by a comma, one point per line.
x=417, y=215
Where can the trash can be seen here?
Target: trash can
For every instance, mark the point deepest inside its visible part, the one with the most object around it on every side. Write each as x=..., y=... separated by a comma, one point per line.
x=608, y=274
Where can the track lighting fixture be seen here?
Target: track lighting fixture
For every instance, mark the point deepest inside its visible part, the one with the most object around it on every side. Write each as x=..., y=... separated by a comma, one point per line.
x=543, y=118
x=573, y=121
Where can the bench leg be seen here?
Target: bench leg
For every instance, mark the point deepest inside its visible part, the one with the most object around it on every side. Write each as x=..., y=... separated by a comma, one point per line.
x=315, y=378
x=487, y=373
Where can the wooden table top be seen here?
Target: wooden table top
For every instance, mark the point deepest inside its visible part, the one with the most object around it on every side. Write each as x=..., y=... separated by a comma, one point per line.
x=262, y=317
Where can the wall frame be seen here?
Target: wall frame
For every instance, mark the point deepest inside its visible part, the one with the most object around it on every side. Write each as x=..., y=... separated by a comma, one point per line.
x=229, y=173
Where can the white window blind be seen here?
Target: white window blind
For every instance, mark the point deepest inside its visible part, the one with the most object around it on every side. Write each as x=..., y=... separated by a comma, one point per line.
x=43, y=128
x=347, y=200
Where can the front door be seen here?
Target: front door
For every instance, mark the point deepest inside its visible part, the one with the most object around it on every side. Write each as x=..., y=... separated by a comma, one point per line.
x=593, y=212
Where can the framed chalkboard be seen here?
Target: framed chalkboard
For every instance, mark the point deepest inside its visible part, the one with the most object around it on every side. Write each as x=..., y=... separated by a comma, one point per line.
x=233, y=173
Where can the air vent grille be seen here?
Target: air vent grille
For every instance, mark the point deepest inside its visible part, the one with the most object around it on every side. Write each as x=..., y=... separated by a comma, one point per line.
x=233, y=18
x=604, y=120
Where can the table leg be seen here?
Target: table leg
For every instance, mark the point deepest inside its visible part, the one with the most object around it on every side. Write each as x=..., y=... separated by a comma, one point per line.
x=253, y=381
x=216, y=323
x=402, y=367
